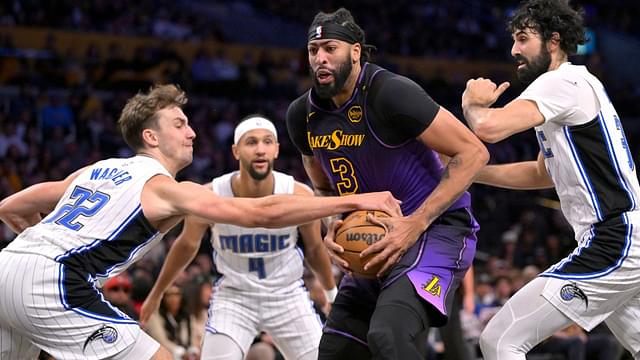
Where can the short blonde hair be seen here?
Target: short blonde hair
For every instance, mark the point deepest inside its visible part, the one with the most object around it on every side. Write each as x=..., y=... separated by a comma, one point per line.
x=140, y=111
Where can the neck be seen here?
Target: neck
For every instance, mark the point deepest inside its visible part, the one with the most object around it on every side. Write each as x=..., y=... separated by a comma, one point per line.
x=347, y=90
x=556, y=61
x=243, y=185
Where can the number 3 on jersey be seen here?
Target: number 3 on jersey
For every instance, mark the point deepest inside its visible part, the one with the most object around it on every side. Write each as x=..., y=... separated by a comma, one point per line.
x=344, y=169
x=87, y=203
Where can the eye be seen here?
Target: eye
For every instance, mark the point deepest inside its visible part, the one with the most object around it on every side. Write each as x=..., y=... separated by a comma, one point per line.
x=313, y=51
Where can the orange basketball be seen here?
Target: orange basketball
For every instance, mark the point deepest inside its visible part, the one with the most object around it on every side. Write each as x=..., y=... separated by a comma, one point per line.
x=355, y=235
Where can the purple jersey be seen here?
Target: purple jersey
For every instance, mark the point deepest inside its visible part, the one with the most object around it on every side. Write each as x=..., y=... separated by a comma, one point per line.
x=355, y=158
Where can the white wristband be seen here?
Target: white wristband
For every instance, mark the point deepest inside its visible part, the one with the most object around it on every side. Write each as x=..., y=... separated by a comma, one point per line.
x=331, y=294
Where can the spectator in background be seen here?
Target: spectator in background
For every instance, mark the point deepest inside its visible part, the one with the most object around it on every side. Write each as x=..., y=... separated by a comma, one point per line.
x=117, y=290
x=171, y=325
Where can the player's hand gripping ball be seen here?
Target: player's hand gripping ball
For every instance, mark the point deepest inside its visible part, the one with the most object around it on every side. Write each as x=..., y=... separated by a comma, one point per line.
x=355, y=235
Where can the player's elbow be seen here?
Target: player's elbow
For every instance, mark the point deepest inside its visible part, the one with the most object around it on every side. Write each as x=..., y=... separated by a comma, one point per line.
x=487, y=133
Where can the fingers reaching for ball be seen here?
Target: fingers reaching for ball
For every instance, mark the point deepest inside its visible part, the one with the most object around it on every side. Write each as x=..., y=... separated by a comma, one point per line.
x=334, y=249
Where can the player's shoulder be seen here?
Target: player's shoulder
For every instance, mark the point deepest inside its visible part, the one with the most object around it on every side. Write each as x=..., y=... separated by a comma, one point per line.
x=566, y=73
x=388, y=83
x=298, y=106
x=300, y=188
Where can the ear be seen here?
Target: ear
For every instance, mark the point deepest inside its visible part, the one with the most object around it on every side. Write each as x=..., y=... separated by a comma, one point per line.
x=356, y=52
x=235, y=151
x=150, y=137
x=277, y=150
x=554, y=42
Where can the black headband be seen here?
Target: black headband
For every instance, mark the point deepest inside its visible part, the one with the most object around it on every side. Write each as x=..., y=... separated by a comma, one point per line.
x=332, y=31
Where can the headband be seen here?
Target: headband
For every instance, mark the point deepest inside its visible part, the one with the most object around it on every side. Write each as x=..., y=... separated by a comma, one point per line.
x=333, y=31
x=252, y=123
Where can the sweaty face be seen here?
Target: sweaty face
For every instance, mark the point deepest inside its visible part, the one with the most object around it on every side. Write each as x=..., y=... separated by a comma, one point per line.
x=531, y=55
x=330, y=66
x=256, y=151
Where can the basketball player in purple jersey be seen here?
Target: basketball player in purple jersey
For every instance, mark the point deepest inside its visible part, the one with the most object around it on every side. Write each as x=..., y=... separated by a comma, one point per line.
x=362, y=128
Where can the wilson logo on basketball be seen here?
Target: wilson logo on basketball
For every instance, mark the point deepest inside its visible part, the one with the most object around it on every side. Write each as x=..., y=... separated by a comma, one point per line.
x=369, y=238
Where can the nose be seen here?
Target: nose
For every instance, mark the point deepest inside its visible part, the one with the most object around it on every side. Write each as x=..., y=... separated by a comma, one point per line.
x=515, y=49
x=260, y=148
x=321, y=57
x=191, y=134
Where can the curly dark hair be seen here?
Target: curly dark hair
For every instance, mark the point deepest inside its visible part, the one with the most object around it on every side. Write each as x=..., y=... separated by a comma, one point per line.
x=549, y=16
x=343, y=17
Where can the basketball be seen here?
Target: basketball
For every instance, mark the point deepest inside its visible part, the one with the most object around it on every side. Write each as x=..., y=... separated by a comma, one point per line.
x=355, y=235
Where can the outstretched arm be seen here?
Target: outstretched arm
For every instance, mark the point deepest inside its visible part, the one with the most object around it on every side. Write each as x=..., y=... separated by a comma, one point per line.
x=182, y=252
x=315, y=252
x=526, y=175
x=165, y=198
x=23, y=209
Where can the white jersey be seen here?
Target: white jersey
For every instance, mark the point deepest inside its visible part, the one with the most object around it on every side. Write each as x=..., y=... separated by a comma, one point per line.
x=256, y=259
x=584, y=147
x=98, y=226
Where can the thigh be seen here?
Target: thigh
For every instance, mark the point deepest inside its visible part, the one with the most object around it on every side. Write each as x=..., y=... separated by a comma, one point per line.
x=600, y=275
x=220, y=347
x=14, y=346
x=352, y=309
x=524, y=321
x=624, y=324
x=144, y=348
x=293, y=324
x=234, y=314
x=36, y=307
x=337, y=346
x=439, y=261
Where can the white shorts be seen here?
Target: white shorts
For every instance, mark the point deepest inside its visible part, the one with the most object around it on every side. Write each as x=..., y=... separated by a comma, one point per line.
x=35, y=312
x=600, y=280
x=288, y=316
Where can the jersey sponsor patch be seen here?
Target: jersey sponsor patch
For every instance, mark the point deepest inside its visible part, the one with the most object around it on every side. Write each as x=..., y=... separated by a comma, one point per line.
x=108, y=334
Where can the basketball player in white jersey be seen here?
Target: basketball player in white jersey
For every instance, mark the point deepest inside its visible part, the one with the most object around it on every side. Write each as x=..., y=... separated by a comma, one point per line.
x=106, y=216
x=585, y=156
x=261, y=288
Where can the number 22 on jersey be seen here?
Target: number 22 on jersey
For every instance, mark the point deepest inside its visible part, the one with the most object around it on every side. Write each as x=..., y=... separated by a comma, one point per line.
x=86, y=203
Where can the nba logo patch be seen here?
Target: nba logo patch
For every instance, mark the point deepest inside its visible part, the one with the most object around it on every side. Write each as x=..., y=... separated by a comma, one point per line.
x=318, y=34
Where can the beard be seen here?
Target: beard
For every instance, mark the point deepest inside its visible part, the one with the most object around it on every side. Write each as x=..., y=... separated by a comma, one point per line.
x=534, y=68
x=255, y=175
x=340, y=76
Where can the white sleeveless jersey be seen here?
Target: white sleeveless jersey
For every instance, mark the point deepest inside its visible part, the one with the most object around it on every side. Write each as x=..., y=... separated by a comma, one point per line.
x=588, y=158
x=256, y=259
x=97, y=227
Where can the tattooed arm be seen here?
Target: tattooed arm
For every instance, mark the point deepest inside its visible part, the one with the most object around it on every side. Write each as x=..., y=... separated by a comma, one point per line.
x=448, y=136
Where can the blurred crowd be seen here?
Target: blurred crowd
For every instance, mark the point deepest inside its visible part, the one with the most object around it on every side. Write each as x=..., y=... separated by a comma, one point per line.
x=58, y=110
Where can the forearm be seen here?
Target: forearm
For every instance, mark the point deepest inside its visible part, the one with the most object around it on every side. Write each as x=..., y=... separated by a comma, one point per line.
x=19, y=211
x=180, y=255
x=456, y=179
x=321, y=266
x=524, y=175
x=286, y=210
x=477, y=118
